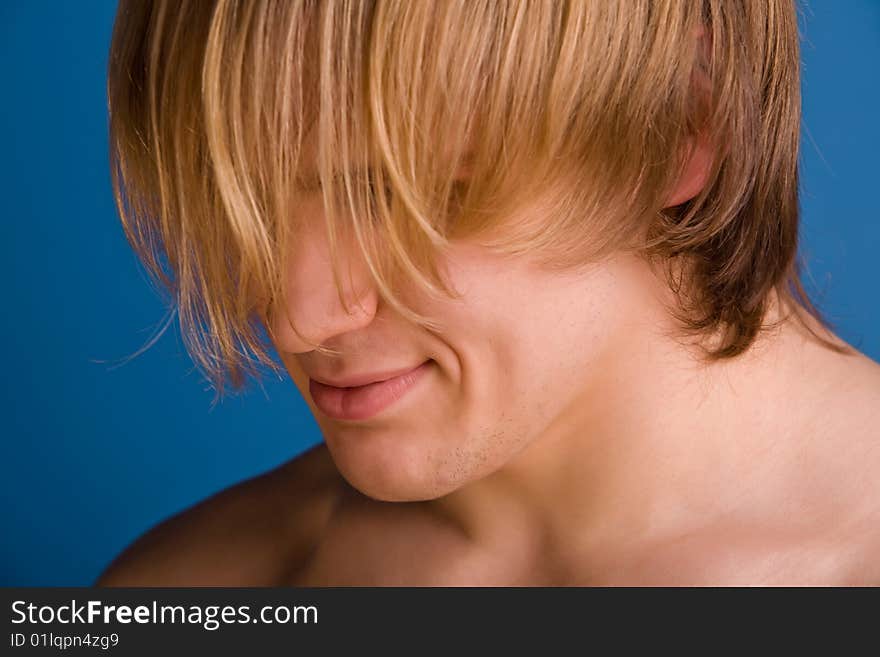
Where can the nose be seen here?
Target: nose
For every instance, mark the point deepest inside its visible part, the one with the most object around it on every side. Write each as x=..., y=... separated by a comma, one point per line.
x=314, y=310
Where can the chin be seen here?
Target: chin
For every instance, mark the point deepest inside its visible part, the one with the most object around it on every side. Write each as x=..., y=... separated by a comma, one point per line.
x=396, y=473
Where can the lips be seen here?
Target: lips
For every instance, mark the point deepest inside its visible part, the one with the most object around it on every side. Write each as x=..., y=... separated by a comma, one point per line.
x=363, y=396
x=363, y=379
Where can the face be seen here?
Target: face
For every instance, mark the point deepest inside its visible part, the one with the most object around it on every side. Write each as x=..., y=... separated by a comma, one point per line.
x=513, y=351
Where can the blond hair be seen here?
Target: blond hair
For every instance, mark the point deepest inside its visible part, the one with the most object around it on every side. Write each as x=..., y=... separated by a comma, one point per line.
x=222, y=112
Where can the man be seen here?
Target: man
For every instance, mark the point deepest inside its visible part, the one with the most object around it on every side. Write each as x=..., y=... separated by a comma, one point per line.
x=532, y=267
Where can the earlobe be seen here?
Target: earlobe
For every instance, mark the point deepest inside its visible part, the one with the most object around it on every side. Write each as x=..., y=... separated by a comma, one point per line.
x=694, y=174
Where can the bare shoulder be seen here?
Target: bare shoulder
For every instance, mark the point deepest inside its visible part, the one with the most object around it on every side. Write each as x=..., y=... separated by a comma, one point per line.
x=847, y=476
x=252, y=534
x=850, y=416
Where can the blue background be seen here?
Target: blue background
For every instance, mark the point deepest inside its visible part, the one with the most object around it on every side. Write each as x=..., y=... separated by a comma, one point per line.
x=92, y=455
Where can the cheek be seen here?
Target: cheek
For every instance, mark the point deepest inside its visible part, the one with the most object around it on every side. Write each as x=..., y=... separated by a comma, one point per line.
x=497, y=404
x=513, y=353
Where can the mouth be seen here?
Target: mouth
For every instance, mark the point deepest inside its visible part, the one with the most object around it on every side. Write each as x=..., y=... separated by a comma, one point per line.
x=361, y=402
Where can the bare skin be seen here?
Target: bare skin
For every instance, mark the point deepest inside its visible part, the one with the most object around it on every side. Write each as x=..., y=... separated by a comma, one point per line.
x=563, y=436
x=794, y=500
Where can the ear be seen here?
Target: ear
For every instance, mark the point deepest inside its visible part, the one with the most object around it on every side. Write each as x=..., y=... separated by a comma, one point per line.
x=695, y=172
x=698, y=149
